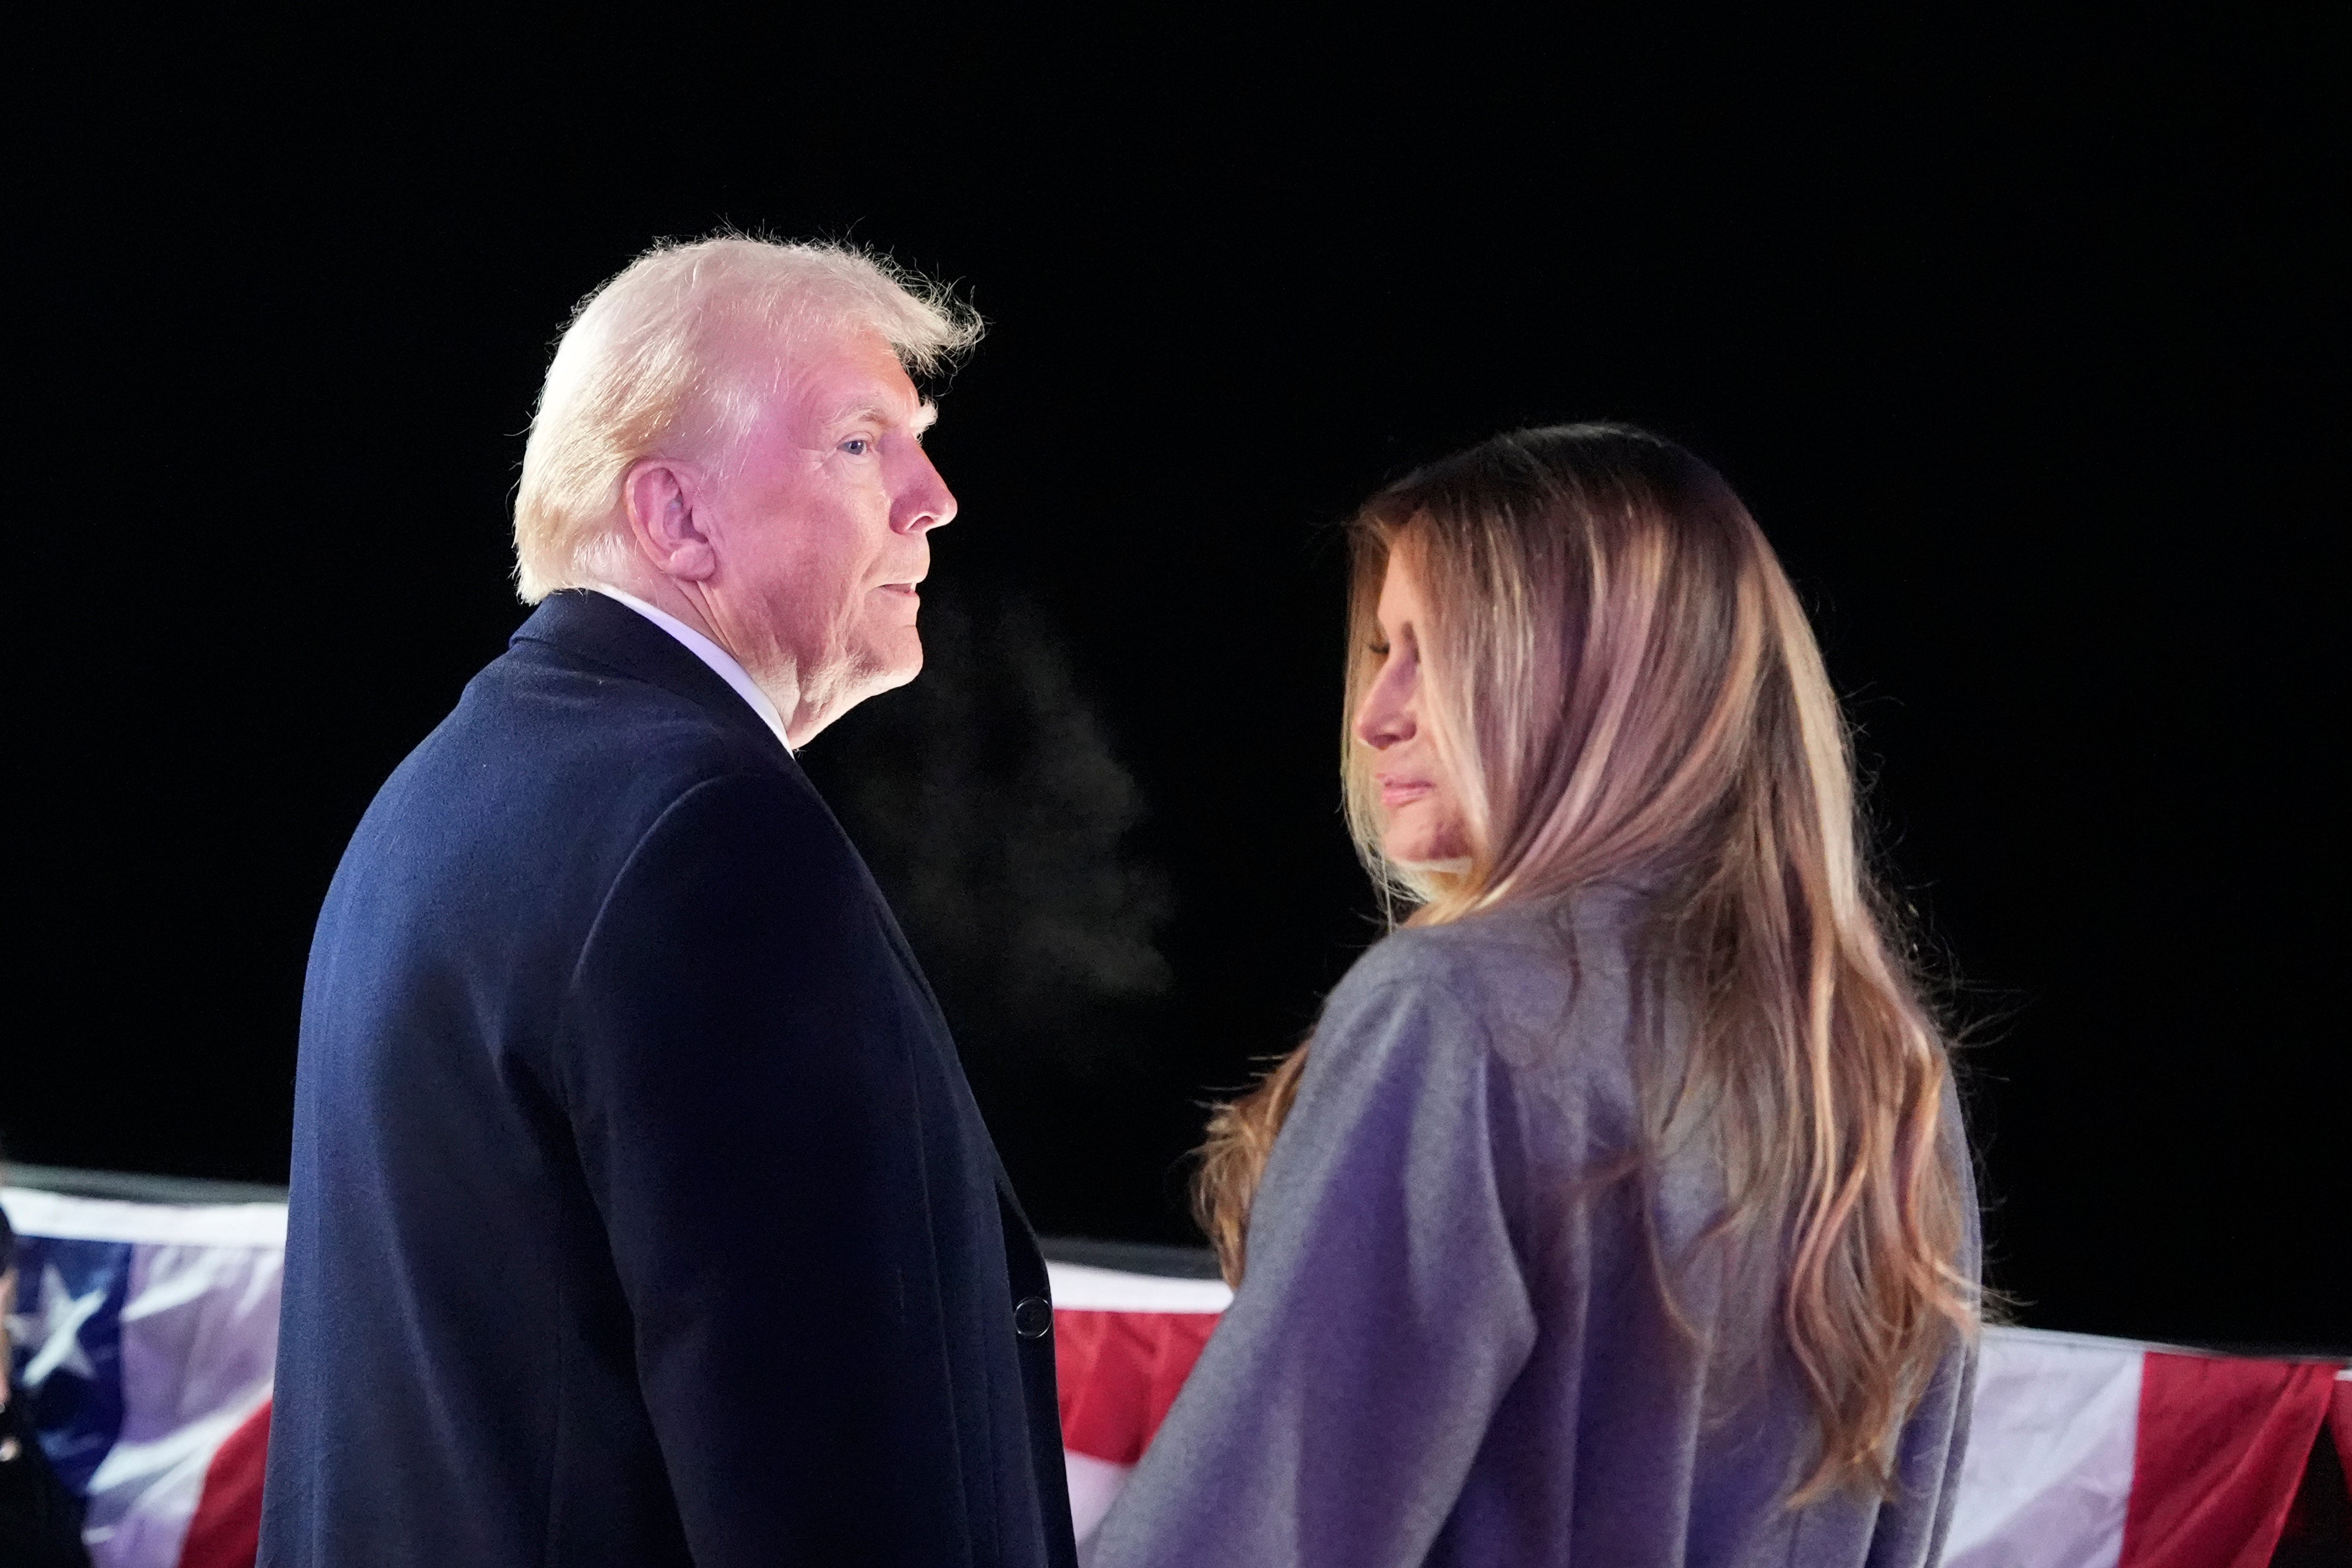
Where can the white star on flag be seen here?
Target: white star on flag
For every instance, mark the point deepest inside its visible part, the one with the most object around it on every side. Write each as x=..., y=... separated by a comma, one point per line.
x=55, y=1331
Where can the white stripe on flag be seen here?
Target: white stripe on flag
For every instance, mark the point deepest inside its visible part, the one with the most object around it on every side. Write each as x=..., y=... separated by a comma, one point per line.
x=2049, y=1466
x=1094, y=1486
x=109, y=1219
x=1081, y=1288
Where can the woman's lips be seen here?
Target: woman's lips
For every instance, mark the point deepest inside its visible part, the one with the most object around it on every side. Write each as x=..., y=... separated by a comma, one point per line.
x=1395, y=793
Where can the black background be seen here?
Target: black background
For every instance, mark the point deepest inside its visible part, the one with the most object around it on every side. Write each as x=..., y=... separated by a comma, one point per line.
x=2022, y=341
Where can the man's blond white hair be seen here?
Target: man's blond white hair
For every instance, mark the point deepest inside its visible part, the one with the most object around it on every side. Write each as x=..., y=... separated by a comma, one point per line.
x=674, y=357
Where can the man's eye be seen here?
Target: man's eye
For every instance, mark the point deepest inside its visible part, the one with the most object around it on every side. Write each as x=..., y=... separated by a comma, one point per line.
x=858, y=446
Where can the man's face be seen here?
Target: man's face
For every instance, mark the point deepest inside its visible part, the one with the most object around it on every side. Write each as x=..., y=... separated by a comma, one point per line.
x=822, y=531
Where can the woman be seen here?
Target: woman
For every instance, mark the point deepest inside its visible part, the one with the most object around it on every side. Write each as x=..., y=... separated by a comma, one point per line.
x=1617, y=1211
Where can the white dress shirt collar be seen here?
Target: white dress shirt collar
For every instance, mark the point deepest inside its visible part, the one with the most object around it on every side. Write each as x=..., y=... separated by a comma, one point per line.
x=722, y=663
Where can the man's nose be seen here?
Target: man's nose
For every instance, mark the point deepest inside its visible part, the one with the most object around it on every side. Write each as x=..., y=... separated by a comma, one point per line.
x=925, y=503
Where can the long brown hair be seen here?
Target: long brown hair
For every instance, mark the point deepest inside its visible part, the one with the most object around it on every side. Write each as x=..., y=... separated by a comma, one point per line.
x=1621, y=680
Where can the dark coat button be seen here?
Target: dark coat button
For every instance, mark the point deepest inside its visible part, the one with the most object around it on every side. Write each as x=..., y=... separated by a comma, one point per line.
x=1033, y=1319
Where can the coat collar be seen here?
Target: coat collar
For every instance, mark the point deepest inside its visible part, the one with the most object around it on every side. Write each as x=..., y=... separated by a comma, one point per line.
x=587, y=625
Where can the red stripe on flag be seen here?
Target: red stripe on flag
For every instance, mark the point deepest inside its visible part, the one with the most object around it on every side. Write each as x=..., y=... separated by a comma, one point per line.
x=226, y=1530
x=2340, y=1422
x=2220, y=1451
x=1120, y=1371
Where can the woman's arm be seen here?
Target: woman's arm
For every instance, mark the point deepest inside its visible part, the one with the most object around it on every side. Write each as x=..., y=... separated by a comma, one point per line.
x=1334, y=1415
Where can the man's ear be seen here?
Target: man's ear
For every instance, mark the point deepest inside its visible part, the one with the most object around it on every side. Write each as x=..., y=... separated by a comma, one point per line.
x=661, y=496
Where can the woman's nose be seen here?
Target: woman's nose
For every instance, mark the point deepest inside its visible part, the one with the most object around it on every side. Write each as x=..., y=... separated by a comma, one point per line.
x=1384, y=721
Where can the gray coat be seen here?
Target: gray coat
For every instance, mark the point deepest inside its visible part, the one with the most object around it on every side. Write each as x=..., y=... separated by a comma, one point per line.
x=1451, y=1346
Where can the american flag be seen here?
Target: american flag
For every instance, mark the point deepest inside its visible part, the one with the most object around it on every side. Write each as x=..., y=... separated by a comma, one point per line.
x=144, y=1336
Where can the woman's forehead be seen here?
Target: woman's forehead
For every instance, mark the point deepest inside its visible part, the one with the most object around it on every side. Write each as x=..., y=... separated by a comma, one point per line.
x=1400, y=585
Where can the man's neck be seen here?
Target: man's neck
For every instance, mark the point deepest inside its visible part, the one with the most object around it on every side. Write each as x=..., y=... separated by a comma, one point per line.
x=686, y=619
x=676, y=600
x=805, y=710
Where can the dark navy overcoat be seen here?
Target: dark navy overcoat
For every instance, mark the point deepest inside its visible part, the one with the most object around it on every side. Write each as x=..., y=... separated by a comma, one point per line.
x=641, y=1212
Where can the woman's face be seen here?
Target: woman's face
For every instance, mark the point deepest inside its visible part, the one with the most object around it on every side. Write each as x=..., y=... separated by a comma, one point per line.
x=1420, y=807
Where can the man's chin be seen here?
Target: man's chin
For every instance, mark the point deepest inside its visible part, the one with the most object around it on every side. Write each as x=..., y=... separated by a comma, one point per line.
x=847, y=684
x=907, y=665
x=879, y=673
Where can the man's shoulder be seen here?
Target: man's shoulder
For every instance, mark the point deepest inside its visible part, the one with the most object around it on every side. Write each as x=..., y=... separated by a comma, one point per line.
x=549, y=747
x=551, y=788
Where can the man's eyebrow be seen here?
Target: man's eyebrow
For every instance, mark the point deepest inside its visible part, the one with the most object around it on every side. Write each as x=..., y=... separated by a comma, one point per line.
x=925, y=414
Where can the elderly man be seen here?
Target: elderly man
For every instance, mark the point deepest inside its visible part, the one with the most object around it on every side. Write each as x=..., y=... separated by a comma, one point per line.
x=641, y=1212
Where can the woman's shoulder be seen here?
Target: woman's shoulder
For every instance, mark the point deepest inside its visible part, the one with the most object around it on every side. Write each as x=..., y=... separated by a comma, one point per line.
x=1503, y=960
x=1516, y=1019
